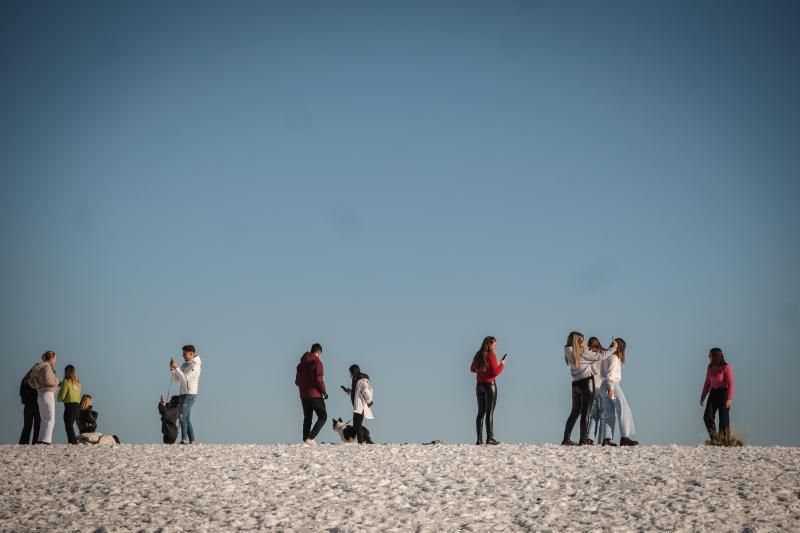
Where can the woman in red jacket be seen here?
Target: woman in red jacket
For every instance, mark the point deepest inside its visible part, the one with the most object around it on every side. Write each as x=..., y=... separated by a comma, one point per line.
x=719, y=381
x=485, y=365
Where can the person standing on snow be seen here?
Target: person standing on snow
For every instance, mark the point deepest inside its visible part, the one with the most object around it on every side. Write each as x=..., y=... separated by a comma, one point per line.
x=311, y=385
x=188, y=375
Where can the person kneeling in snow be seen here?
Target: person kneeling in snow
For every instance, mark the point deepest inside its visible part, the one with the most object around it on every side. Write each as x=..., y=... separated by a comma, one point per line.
x=169, y=419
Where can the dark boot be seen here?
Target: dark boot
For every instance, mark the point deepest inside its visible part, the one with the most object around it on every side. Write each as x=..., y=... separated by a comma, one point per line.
x=491, y=442
x=608, y=442
x=567, y=442
x=625, y=441
x=479, y=430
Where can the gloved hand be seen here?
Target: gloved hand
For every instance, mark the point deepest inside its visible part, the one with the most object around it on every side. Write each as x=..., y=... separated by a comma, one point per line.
x=370, y=404
x=324, y=395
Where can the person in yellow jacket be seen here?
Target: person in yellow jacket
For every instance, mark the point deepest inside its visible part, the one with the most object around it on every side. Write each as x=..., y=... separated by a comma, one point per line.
x=70, y=395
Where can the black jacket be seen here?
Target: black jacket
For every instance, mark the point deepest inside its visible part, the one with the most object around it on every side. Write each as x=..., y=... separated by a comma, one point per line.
x=28, y=394
x=87, y=421
x=169, y=420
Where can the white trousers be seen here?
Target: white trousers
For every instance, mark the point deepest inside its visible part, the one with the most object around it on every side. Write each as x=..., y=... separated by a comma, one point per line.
x=47, y=412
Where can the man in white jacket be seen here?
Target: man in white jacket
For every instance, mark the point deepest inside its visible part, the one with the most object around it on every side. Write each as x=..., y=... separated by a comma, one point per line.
x=188, y=375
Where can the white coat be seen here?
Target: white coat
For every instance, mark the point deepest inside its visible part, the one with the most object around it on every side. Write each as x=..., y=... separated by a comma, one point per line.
x=188, y=375
x=363, y=398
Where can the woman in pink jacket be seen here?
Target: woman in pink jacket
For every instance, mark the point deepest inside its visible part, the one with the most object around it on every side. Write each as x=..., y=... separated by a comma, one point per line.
x=719, y=381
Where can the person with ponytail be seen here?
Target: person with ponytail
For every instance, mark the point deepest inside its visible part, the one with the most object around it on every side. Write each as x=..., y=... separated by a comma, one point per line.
x=486, y=368
x=70, y=395
x=719, y=383
x=580, y=359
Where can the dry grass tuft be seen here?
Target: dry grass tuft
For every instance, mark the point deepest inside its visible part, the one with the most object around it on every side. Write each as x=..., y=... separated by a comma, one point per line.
x=729, y=439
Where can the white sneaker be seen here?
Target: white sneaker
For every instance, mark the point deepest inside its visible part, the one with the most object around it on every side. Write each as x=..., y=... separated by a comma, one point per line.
x=310, y=442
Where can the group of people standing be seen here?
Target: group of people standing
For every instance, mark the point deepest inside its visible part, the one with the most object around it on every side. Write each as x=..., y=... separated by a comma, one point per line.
x=39, y=390
x=597, y=396
x=310, y=381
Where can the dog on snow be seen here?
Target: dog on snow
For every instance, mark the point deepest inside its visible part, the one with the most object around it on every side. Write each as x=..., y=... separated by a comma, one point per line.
x=348, y=434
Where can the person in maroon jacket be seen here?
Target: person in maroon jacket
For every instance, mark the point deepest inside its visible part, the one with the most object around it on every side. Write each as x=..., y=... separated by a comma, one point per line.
x=485, y=365
x=310, y=382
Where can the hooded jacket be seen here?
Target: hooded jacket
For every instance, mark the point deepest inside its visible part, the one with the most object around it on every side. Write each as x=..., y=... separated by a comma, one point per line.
x=310, y=377
x=188, y=375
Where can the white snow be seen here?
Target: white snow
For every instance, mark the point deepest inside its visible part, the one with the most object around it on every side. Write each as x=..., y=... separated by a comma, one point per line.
x=397, y=487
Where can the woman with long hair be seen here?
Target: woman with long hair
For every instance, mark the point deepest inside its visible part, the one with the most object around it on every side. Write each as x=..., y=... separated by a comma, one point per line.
x=70, y=395
x=579, y=358
x=46, y=383
x=719, y=388
x=596, y=412
x=87, y=418
x=360, y=392
x=486, y=368
x=615, y=406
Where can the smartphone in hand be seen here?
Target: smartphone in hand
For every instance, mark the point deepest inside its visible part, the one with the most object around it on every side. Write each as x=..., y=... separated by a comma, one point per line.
x=504, y=357
x=344, y=388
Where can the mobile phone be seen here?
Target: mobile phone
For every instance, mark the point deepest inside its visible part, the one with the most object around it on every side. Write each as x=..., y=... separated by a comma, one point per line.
x=504, y=357
x=343, y=388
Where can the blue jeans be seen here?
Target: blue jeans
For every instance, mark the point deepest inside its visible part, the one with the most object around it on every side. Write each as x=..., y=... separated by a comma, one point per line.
x=615, y=410
x=596, y=416
x=185, y=402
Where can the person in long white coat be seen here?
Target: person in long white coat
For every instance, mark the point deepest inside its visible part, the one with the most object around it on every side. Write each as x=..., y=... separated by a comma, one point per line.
x=361, y=398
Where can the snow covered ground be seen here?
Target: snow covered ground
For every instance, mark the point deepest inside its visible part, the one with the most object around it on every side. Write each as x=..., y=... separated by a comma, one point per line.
x=397, y=487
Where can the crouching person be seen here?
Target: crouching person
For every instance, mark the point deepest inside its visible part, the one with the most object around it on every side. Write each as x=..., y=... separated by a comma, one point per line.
x=170, y=412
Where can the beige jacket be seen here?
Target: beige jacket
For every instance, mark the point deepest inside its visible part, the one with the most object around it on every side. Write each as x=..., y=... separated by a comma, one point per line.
x=45, y=377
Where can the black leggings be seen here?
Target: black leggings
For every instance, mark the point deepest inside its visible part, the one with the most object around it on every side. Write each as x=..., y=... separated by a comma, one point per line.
x=717, y=399
x=358, y=421
x=311, y=406
x=71, y=412
x=582, y=399
x=487, y=399
x=30, y=421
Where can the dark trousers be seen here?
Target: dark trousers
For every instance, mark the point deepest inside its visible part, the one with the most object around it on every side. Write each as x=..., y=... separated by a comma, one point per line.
x=30, y=421
x=71, y=412
x=717, y=398
x=582, y=399
x=311, y=406
x=487, y=399
x=358, y=422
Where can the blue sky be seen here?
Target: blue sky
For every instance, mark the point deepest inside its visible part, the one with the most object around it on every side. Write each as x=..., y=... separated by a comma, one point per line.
x=397, y=182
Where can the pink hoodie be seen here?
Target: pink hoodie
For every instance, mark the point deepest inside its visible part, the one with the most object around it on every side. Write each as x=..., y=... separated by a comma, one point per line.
x=718, y=378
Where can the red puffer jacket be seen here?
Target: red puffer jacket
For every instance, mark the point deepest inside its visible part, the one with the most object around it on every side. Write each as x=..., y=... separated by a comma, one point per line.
x=309, y=378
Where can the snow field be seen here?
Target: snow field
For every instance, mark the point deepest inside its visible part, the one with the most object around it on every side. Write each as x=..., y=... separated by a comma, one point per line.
x=397, y=488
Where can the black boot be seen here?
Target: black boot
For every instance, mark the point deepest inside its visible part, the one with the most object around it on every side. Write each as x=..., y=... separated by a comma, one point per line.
x=479, y=430
x=608, y=442
x=491, y=442
x=567, y=442
x=625, y=441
